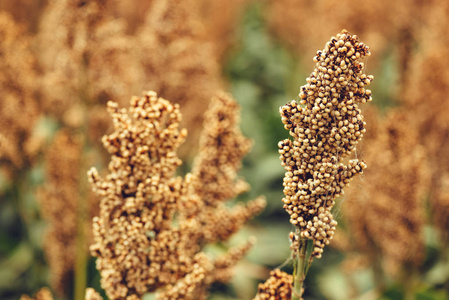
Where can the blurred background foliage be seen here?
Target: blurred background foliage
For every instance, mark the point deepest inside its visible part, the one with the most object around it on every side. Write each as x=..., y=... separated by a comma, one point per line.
x=263, y=72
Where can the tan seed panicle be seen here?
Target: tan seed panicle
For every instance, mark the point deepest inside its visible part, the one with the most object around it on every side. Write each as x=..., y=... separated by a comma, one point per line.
x=326, y=126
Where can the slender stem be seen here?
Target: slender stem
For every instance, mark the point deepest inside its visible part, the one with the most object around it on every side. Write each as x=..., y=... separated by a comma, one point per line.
x=82, y=256
x=300, y=265
x=408, y=282
x=81, y=253
x=408, y=293
x=379, y=277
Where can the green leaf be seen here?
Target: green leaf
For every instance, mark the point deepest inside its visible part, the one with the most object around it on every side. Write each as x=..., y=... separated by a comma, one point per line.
x=15, y=265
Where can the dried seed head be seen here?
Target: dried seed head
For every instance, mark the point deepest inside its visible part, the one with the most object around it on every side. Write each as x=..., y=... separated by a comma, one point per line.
x=324, y=133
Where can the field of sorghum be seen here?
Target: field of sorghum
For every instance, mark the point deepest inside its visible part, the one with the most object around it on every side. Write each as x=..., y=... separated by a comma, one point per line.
x=96, y=194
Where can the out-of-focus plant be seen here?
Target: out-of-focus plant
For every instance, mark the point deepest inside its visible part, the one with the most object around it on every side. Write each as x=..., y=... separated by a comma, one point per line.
x=398, y=31
x=393, y=190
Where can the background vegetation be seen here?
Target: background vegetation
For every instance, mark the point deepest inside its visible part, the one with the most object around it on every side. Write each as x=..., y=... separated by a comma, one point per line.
x=264, y=65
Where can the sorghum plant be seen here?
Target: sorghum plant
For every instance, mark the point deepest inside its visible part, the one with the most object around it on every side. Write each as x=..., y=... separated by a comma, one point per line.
x=60, y=196
x=152, y=224
x=93, y=59
x=393, y=191
x=429, y=80
x=326, y=126
x=278, y=286
x=401, y=22
x=19, y=107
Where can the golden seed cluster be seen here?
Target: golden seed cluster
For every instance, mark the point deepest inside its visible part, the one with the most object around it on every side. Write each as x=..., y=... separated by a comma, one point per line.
x=223, y=265
x=60, y=196
x=326, y=126
x=428, y=80
x=176, y=38
x=222, y=148
x=91, y=294
x=137, y=248
x=152, y=225
x=278, y=287
x=42, y=294
x=394, y=191
x=205, y=272
x=19, y=107
x=193, y=285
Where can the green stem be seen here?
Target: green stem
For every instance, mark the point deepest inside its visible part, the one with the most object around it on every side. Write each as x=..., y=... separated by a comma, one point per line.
x=379, y=276
x=408, y=282
x=81, y=253
x=300, y=268
x=409, y=294
x=81, y=259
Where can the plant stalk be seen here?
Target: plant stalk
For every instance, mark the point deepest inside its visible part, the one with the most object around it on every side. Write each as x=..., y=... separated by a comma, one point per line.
x=81, y=252
x=82, y=255
x=300, y=266
x=81, y=258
